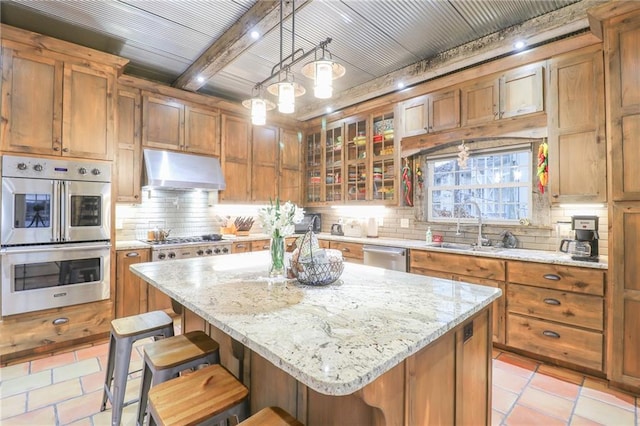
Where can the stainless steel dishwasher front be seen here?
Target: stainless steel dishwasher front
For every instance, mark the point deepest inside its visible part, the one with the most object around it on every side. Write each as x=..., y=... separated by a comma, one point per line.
x=394, y=258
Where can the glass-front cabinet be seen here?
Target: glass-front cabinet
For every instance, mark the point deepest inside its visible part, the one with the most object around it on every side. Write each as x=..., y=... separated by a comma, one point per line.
x=383, y=170
x=357, y=147
x=314, y=167
x=354, y=162
x=333, y=164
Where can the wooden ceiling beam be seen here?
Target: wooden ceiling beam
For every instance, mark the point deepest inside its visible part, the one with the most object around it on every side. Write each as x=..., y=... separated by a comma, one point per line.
x=263, y=17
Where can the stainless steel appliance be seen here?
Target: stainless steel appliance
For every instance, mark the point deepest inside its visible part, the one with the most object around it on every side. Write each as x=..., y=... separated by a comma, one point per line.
x=393, y=258
x=53, y=201
x=55, y=233
x=44, y=277
x=186, y=247
x=177, y=170
x=585, y=245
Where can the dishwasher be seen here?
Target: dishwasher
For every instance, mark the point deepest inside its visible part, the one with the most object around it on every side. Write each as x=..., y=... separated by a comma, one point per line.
x=393, y=258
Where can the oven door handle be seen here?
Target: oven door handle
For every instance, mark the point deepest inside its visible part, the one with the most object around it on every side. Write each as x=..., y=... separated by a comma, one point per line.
x=65, y=210
x=55, y=212
x=67, y=247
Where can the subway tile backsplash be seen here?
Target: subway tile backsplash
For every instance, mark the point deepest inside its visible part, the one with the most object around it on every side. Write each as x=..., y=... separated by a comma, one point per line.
x=188, y=213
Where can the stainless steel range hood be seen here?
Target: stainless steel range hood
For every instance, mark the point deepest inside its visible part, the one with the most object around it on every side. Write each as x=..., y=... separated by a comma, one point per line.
x=176, y=170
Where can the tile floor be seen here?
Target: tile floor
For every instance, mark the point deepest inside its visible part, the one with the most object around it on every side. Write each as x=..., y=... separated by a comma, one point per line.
x=66, y=389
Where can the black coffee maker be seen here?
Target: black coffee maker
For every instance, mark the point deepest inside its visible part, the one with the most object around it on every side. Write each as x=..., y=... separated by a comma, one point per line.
x=586, y=228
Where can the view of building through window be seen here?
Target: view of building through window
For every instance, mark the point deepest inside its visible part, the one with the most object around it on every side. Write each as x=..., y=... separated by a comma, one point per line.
x=498, y=182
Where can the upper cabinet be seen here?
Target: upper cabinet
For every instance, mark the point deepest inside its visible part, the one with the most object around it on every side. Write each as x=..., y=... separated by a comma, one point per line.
x=264, y=163
x=576, y=116
x=169, y=123
x=516, y=92
x=128, y=159
x=624, y=73
x=54, y=104
x=236, y=151
x=353, y=160
x=430, y=113
x=290, y=179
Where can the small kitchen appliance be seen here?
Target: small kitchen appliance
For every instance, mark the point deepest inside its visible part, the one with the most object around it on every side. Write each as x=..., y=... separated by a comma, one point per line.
x=303, y=226
x=585, y=245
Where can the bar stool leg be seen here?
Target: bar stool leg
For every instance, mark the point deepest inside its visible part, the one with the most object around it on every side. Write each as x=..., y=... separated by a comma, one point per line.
x=109, y=377
x=121, y=370
x=145, y=385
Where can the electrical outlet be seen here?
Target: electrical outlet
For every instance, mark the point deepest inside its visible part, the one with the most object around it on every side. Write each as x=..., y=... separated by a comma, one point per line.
x=404, y=223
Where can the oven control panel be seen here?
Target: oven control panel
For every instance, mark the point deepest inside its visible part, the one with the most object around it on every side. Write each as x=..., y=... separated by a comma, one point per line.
x=174, y=251
x=47, y=168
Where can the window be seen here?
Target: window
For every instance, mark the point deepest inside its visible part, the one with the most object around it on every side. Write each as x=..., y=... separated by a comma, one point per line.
x=498, y=182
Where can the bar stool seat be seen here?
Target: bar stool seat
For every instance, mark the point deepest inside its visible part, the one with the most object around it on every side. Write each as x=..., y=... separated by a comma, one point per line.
x=207, y=396
x=165, y=359
x=271, y=416
x=124, y=333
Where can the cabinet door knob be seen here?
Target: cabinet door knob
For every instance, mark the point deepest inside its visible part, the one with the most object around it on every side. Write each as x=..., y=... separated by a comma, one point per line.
x=65, y=149
x=56, y=148
x=550, y=301
x=552, y=277
x=60, y=321
x=551, y=334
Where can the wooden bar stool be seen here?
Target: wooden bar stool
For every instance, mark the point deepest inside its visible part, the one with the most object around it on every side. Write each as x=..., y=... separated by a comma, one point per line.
x=124, y=332
x=271, y=416
x=207, y=396
x=165, y=359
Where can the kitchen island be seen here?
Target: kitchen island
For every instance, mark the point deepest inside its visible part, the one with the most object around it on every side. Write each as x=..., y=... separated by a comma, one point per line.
x=375, y=347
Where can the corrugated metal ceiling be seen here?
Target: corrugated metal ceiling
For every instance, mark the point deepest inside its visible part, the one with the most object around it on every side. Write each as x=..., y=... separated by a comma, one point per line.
x=161, y=38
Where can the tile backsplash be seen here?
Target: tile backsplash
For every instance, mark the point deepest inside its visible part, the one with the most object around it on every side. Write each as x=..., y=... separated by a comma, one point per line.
x=188, y=213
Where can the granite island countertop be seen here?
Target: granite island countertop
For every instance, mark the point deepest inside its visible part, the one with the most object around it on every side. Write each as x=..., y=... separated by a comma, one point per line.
x=334, y=339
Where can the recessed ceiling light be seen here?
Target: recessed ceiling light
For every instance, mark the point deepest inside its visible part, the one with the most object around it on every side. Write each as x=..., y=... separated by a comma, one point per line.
x=519, y=44
x=400, y=85
x=255, y=35
x=200, y=79
x=329, y=109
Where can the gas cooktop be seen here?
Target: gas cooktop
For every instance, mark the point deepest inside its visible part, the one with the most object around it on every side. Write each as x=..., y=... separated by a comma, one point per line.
x=181, y=240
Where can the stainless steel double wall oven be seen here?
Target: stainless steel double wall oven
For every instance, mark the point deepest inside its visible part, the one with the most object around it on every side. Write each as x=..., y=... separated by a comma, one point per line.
x=55, y=233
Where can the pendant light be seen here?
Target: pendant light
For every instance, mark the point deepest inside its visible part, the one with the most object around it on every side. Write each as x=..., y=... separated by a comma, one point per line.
x=287, y=91
x=259, y=107
x=323, y=71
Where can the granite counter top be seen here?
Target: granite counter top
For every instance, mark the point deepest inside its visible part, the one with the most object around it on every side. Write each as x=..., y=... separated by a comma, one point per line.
x=335, y=339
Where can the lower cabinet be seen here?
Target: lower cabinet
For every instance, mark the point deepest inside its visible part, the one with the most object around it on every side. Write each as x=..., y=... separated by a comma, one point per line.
x=131, y=291
x=241, y=247
x=133, y=295
x=557, y=312
x=471, y=269
x=351, y=252
x=36, y=333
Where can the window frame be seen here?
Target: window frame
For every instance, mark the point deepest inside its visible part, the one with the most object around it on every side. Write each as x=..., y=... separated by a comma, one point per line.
x=528, y=184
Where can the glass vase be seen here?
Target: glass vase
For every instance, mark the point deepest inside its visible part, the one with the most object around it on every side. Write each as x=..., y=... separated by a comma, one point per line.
x=276, y=250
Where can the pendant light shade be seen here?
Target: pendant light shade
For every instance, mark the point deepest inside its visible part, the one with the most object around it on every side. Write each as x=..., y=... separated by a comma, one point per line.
x=259, y=107
x=323, y=71
x=286, y=91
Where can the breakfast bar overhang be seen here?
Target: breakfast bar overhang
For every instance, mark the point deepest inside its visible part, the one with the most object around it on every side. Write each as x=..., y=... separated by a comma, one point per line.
x=375, y=347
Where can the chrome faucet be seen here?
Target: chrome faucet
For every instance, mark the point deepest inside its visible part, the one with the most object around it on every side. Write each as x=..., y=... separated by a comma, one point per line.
x=481, y=240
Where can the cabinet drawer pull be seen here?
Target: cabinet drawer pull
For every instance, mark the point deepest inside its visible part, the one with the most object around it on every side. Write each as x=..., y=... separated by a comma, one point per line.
x=552, y=277
x=346, y=249
x=265, y=247
x=133, y=254
x=550, y=301
x=241, y=246
x=60, y=321
x=551, y=334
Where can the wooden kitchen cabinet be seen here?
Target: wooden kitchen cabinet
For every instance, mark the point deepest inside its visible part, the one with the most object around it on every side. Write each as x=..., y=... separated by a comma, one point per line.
x=382, y=179
x=260, y=245
x=577, y=142
x=430, y=113
x=264, y=163
x=131, y=291
x=313, y=171
x=468, y=269
x=128, y=162
x=36, y=333
x=75, y=110
x=557, y=312
x=241, y=247
x=290, y=176
x=331, y=155
x=513, y=93
x=351, y=252
x=355, y=157
x=170, y=123
x=236, y=151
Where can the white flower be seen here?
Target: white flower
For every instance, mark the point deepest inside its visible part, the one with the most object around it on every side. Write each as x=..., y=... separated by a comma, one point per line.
x=278, y=219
